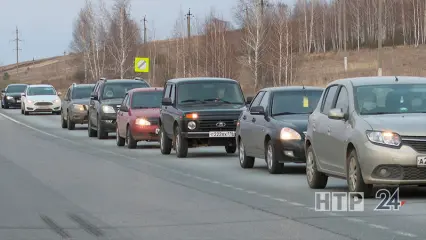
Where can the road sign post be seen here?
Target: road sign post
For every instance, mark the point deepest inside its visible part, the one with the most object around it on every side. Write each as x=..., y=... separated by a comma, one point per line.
x=141, y=65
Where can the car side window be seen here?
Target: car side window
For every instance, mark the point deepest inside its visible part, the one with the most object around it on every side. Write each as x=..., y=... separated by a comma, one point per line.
x=128, y=101
x=343, y=100
x=167, y=91
x=67, y=97
x=124, y=102
x=256, y=100
x=173, y=93
x=329, y=97
x=265, y=100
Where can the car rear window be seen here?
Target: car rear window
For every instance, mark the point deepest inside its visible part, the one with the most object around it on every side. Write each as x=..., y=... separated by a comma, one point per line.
x=146, y=99
x=295, y=102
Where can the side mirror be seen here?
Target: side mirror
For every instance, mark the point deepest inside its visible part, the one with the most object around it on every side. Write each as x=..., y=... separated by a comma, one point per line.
x=123, y=108
x=166, y=102
x=93, y=96
x=23, y=94
x=3, y=91
x=257, y=110
x=59, y=94
x=337, y=114
x=249, y=99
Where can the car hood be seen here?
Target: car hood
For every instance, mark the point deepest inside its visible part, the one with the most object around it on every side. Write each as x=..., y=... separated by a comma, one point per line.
x=298, y=122
x=112, y=102
x=13, y=94
x=146, y=112
x=213, y=109
x=404, y=124
x=84, y=101
x=43, y=98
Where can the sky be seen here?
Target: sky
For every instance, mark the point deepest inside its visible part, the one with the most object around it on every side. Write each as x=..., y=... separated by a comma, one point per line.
x=45, y=26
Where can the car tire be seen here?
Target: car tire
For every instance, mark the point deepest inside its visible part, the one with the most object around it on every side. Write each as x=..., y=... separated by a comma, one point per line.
x=272, y=159
x=101, y=134
x=354, y=176
x=70, y=123
x=315, y=178
x=165, y=142
x=6, y=106
x=26, y=113
x=131, y=142
x=231, y=149
x=119, y=140
x=181, y=144
x=245, y=161
x=22, y=109
x=63, y=122
x=90, y=131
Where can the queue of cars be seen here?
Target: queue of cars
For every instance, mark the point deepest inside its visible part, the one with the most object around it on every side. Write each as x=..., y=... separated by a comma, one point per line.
x=366, y=130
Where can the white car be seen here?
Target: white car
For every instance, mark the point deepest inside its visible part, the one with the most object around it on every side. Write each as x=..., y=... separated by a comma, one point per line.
x=40, y=98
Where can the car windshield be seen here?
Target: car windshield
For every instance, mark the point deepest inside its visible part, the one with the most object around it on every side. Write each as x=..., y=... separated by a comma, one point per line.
x=202, y=92
x=82, y=92
x=119, y=89
x=34, y=91
x=390, y=99
x=16, y=88
x=295, y=102
x=147, y=99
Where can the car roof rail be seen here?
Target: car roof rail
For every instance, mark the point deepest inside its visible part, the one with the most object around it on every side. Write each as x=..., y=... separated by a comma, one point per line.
x=74, y=84
x=102, y=79
x=138, y=78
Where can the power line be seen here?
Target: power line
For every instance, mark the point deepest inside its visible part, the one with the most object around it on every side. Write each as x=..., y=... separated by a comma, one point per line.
x=17, y=49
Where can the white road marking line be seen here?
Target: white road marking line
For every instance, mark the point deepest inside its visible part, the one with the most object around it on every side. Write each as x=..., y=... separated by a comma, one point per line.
x=265, y=196
x=280, y=199
x=227, y=185
x=355, y=220
x=405, y=234
x=296, y=204
x=215, y=182
x=251, y=192
x=239, y=189
x=377, y=226
x=332, y=214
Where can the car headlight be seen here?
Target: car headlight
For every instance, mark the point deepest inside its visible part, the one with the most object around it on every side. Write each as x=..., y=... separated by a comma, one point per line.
x=108, y=109
x=192, y=125
x=289, y=134
x=55, y=101
x=142, y=122
x=29, y=101
x=78, y=107
x=384, y=137
x=9, y=97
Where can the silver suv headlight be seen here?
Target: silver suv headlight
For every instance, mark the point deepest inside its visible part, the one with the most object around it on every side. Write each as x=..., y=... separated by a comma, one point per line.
x=108, y=109
x=78, y=107
x=384, y=137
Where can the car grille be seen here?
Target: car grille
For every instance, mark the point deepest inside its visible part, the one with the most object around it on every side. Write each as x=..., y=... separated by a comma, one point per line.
x=43, y=103
x=417, y=143
x=414, y=173
x=17, y=98
x=210, y=125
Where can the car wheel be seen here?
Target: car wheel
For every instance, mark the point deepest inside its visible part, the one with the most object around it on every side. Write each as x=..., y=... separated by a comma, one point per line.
x=131, y=142
x=100, y=131
x=354, y=176
x=6, y=105
x=181, y=144
x=316, y=179
x=120, y=140
x=90, y=131
x=245, y=161
x=271, y=156
x=231, y=149
x=70, y=123
x=165, y=142
x=26, y=112
x=63, y=122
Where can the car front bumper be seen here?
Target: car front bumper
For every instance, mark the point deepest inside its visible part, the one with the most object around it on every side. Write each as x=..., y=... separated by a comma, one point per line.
x=400, y=164
x=12, y=102
x=55, y=107
x=291, y=151
x=145, y=133
x=80, y=117
x=108, y=122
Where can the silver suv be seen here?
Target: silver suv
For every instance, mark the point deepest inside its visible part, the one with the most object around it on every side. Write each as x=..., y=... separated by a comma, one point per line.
x=369, y=131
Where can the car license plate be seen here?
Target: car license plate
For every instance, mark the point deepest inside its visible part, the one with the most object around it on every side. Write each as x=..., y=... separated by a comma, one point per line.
x=222, y=134
x=421, y=161
x=43, y=107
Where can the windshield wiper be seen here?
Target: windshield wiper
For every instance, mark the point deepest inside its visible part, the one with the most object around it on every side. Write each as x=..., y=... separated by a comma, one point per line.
x=141, y=107
x=192, y=101
x=381, y=113
x=289, y=113
x=220, y=100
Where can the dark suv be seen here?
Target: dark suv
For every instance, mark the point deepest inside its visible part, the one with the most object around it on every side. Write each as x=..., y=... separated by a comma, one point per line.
x=105, y=101
x=200, y=112
x=75, y=105
x=11, y=95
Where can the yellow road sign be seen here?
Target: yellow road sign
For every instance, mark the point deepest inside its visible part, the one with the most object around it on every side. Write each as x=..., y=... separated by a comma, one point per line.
x=141, y=65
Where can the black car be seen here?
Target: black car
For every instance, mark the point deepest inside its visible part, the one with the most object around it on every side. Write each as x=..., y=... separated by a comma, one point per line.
x=105, y=100
x=11, y=95
x=75, y=105
x=200, y=112
x=274, y=126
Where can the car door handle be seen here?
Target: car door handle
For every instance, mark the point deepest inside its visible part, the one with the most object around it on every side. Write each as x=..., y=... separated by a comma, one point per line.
x=253, y=120
x=244, y=118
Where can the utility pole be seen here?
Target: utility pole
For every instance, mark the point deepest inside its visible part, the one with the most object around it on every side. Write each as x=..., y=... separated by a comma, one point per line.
x=144, y=29
x=379, y=50
x=17, y=40
x=188, y=22
x=262, y=7
x=345, y=36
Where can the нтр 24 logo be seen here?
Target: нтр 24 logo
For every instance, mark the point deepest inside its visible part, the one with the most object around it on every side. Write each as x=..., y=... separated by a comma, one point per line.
x=388, y=202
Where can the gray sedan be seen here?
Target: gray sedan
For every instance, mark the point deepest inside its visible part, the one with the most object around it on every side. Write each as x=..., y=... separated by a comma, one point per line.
x=369, y=131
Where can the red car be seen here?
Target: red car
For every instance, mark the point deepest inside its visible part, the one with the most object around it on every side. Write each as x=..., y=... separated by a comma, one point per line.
x=138, y=116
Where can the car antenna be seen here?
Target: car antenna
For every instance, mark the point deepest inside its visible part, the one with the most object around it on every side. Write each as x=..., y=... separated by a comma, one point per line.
x=396, y=79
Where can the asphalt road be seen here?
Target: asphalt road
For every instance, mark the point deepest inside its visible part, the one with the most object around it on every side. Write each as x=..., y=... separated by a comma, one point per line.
x=58, y=183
